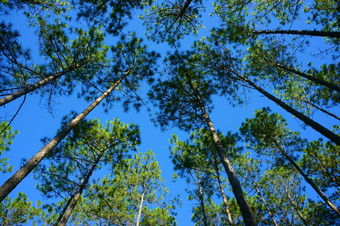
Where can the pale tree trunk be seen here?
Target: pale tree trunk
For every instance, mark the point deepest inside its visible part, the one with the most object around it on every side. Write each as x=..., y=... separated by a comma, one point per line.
x=232, y=177
x=140, y=209
x=234, y=182
x=32, y=88
x=225, y=201
x=12, y=182
x=324, y=131
x=309, y=181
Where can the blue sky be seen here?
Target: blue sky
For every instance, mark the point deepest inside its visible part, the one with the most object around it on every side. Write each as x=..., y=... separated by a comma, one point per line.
x=34, y=122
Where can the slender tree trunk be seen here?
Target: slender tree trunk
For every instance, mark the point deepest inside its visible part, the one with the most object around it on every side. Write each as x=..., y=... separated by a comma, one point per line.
x=232, y=177
x=330, y=34
x=200, y=195
x=309, y=181
x=225, y=201
x=140, y=209
x=262, y=199
x=295, y=206
x=311, y=78
x=324, y=131
x=68, y=203
x=31, y=88
x=321, y=109
x=11, y=183
x=80, y=191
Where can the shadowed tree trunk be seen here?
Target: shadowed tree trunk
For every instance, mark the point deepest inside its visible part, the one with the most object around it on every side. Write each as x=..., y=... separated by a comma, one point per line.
x=309, y=181
x=324, y=131
x=329, y=34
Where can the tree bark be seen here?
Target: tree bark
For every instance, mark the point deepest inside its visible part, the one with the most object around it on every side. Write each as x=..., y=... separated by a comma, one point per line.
x=31, y=88
x=140, y=210
x=12, y=182
x=232, y=177
x=225, y=201
x=200, y=194
x=330, y=34
x=309, y=181
x=80, y=191
x=311, y=78
x=324, y=131
x=262, y=199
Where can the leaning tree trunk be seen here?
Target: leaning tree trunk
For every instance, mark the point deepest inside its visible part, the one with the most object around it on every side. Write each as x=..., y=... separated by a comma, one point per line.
x=309, y=181
x=262, y=199
x=200, y=195
x=140, y=209
x=295, y=207
x=311, y=78
x=225, y=201
x=11, y=183
x=80, y=191
x=329, y=34
x=232, y=177
x=324, y=131
x=31, y=88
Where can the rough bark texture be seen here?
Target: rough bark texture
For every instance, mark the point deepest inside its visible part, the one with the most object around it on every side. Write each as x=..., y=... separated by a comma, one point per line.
x=12, y=182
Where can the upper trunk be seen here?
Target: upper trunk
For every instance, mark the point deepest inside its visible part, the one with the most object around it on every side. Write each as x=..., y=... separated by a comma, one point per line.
x=324, y=131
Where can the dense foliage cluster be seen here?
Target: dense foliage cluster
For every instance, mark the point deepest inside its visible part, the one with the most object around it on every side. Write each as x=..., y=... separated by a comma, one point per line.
x=286, y=51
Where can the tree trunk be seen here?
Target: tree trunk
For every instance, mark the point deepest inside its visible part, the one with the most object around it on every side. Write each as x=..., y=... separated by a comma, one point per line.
x=324, y=131
x=329, y=34
x=31, y=88
x=262, y=199
x=309, y=181
x=311, y=78
x=232, y=177
x=140, y=209
x=321, y=109
x=225, y=201
x=200, y=195
x=11, y=183
x=80, y=191
x=295, y=206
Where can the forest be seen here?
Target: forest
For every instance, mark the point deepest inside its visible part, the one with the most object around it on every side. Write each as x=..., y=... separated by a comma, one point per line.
x=169, y=112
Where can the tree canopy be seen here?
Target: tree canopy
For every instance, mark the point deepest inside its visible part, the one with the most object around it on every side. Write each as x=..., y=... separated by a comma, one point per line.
x=249, y=89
